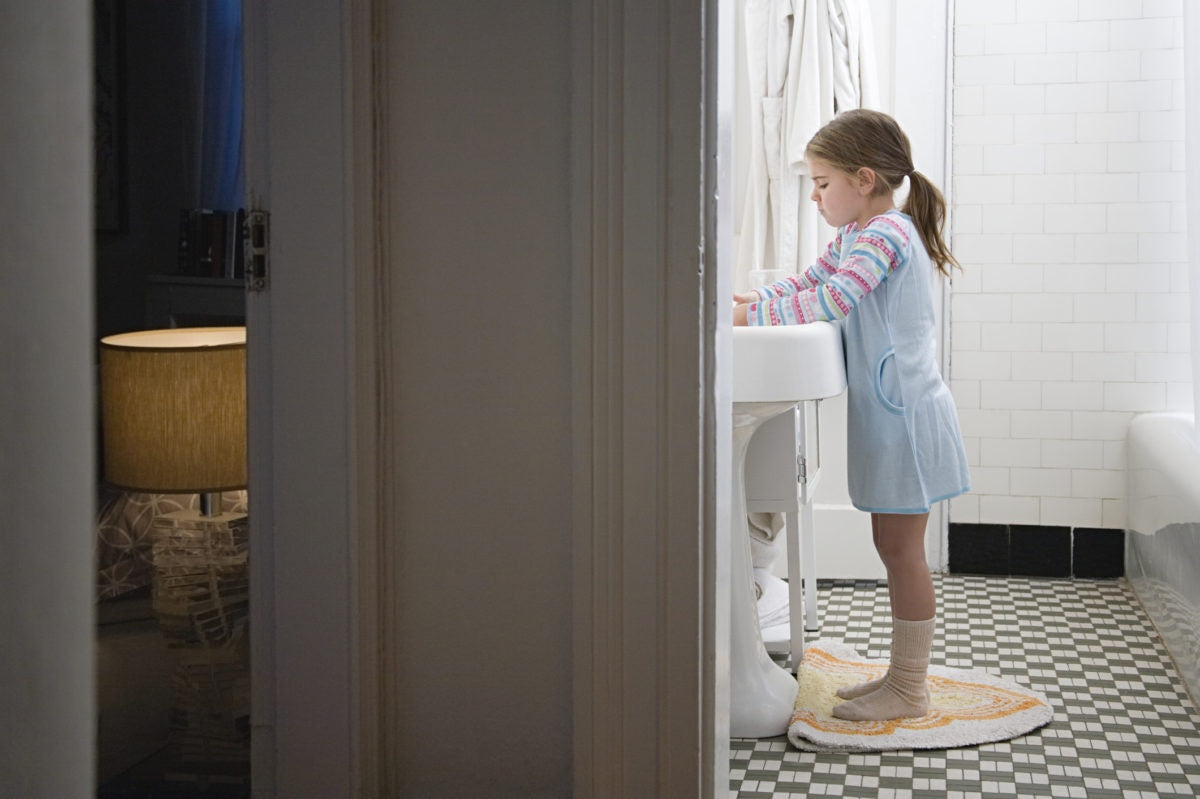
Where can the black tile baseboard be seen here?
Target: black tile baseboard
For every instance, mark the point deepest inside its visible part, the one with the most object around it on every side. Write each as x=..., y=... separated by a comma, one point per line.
x=1037, y=551
x=1099, y=552
x=1022, y=550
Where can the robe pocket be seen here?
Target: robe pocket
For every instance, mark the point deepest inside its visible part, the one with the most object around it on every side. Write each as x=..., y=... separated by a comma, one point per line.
x=887, y=383
x=772, y=119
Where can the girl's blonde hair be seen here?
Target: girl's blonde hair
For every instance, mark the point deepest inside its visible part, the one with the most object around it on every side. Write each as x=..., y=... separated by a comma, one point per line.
x=863, y=138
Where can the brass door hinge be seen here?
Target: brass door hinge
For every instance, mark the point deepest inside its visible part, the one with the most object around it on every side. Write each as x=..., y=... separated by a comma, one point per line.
x=256, y=243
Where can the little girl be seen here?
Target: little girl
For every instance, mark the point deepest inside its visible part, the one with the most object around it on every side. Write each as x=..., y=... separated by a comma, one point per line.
x=905, y=451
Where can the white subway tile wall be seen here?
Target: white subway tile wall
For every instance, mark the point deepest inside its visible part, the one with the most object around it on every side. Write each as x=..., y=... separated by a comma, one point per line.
x=1068, y=215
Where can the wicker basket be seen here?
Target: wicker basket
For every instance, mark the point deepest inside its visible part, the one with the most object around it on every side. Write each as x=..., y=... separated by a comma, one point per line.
x=202, y=600
x=201, y=583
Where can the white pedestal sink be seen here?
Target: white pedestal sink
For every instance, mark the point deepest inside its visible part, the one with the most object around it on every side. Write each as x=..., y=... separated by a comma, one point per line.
x=774, y=368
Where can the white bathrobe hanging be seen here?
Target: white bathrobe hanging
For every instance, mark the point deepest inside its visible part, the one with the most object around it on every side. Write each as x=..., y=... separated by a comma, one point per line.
x=805, y=60
x=852, y=55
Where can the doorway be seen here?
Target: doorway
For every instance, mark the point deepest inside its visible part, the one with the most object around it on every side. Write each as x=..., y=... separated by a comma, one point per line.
x=168, y=190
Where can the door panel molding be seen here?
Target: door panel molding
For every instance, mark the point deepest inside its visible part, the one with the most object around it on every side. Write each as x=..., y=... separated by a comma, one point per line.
x=643, y=423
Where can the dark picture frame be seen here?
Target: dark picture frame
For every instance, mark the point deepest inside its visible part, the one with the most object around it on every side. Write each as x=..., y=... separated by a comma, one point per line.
x=109, y=116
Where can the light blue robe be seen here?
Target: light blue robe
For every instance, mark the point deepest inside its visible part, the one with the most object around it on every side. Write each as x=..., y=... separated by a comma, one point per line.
x=905, y=449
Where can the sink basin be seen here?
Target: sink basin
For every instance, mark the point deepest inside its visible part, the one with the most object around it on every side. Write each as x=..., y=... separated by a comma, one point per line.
x=788, y=363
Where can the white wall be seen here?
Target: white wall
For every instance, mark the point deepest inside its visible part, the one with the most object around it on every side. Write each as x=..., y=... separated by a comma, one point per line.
x=1191, y=49
x=1072, y=315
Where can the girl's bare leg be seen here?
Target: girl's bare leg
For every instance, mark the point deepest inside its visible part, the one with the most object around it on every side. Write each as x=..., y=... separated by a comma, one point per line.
x=864, y=688
x=900, y=541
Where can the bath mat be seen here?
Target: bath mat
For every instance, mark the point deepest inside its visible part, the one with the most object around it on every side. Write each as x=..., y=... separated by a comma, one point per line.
x=967, y=708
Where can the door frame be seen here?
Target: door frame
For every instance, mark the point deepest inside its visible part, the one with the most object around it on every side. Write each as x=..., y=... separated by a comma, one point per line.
x=311, y=664
x=652, y=345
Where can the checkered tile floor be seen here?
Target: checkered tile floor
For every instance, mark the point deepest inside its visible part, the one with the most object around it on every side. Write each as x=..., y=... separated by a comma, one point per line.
x=1124, y=725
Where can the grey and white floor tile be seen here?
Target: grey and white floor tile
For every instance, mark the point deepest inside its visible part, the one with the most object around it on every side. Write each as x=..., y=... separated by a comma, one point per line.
x=1124, y=725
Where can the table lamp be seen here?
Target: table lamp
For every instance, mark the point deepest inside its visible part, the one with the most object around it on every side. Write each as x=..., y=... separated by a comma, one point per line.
x=173, y=405
x=173, y=421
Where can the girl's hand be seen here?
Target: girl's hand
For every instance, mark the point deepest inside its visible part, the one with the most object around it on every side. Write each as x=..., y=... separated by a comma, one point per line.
x=741, y=304
x=739, y=314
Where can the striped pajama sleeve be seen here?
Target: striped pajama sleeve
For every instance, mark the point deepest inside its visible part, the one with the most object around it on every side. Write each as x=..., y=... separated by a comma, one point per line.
x=841, y=282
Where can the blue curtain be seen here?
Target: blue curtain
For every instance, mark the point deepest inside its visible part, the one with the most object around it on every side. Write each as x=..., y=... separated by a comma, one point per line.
x=220, y=158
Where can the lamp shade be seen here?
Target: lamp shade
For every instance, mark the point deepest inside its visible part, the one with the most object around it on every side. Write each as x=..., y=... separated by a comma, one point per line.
x=173, y=409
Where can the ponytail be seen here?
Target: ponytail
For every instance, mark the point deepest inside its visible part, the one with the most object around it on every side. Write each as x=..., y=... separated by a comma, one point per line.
x=861, y=137
x=927, y=208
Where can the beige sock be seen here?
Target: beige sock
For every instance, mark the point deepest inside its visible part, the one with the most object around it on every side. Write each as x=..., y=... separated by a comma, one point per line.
x=861, y=689
x=903, y=692
x=864, y=688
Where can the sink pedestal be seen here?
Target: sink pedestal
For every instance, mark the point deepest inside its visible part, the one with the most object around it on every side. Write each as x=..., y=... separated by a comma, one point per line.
x=774, y=368
x=761, y=693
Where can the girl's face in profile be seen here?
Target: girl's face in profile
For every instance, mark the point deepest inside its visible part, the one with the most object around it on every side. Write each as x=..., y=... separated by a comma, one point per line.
x=838, y=195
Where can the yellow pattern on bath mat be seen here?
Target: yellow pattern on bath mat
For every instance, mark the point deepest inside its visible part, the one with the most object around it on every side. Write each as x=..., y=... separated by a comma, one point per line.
x=952, y=700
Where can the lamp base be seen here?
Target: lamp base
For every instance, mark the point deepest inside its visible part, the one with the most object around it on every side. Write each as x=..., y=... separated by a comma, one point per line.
x=201, y=597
